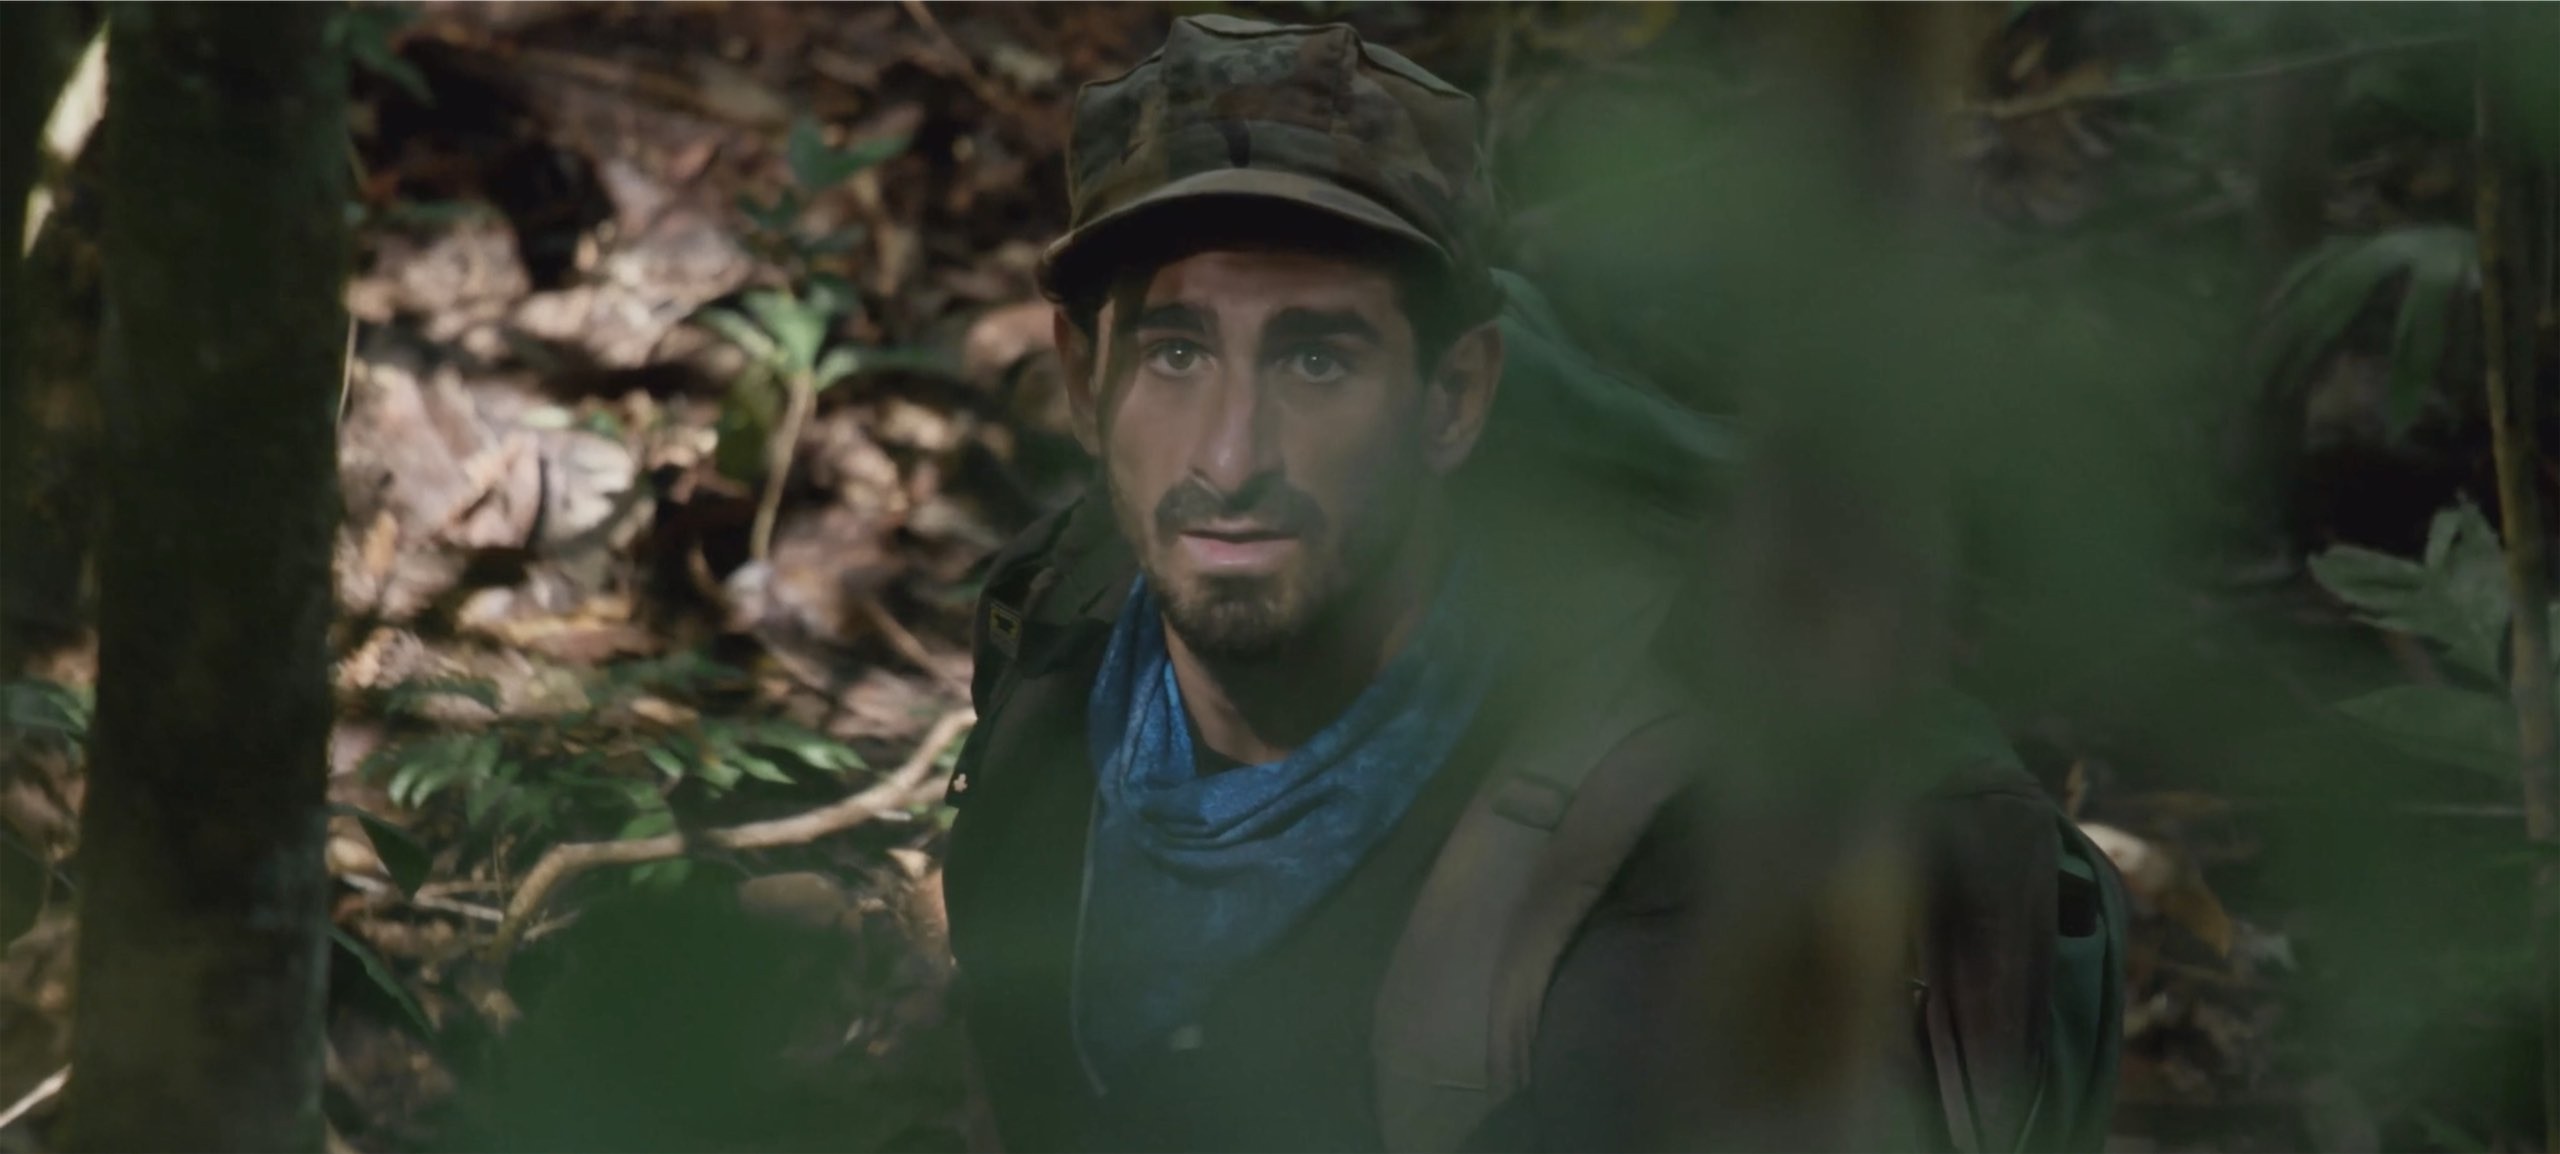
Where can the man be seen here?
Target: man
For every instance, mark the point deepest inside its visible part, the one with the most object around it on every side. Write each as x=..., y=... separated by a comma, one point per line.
x=1299, y=817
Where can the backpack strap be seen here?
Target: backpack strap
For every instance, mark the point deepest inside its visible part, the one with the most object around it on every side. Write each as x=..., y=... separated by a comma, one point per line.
x=1457, y=1013
x=1063, y=574
x=1986, y=953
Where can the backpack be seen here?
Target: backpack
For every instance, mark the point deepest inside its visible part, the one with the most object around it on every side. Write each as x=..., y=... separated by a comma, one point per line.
x=1456, y=1021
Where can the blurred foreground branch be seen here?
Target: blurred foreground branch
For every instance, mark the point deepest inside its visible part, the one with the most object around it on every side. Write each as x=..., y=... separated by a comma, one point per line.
x=2517, y=195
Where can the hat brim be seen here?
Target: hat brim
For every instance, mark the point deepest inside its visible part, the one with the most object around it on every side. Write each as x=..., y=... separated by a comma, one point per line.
x=1067, y=259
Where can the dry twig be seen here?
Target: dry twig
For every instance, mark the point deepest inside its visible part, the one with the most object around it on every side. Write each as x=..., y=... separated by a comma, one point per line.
x=2043, y=103
x=901, y=788
x=37, y=1097
x=977, y=81
x=906, y=643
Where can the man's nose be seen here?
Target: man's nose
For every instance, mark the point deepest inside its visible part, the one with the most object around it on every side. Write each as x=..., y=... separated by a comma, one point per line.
x=1237, y=443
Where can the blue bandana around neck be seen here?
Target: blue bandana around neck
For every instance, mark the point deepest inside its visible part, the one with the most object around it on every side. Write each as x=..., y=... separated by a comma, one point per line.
x=1190, y=876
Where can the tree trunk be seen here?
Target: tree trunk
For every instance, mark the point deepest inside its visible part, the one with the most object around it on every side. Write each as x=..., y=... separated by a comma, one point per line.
x=203, y=942
x=2519, y=195
x=33, y=65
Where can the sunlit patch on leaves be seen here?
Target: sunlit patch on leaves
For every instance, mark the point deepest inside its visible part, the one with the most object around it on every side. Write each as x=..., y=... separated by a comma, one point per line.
x=2435, y=265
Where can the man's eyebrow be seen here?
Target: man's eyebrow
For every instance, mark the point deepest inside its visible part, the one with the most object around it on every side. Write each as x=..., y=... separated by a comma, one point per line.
x=1176, y=316
x=1314, y=324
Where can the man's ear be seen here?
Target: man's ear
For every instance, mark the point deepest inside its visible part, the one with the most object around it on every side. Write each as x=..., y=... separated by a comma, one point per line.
x=1459, y=397
x=1076, y=354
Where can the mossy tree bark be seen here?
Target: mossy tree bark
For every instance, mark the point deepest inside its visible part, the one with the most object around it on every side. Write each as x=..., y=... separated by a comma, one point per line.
x=203, y=941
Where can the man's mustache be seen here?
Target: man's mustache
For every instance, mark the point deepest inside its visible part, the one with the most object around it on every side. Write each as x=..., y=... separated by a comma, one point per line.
x=1268, y=502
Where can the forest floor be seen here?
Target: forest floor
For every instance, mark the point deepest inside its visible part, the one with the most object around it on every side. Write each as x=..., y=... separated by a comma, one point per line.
x=549, y=559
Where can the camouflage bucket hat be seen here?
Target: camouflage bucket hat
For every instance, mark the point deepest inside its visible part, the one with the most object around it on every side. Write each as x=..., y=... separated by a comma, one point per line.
x=1234, y=109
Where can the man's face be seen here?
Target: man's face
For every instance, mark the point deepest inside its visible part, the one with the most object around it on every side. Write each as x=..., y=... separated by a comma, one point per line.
x=1267, y=435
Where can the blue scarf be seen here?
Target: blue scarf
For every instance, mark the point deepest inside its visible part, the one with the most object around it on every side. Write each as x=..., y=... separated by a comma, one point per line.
x=1189, y=877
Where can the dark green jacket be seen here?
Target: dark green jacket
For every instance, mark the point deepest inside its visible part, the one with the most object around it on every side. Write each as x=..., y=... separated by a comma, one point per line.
x=1285, y=1060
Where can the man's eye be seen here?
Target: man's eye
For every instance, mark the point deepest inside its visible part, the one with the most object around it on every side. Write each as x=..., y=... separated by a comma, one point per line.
x=1174, y=358
x=1317, y=365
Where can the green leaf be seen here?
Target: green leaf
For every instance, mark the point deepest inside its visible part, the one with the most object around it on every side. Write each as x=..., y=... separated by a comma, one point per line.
x=759, y=768
x=406, y=698
x=798, y=328
x=2472, y=586
x=805, y=151
x=833, y=293
x=405, y=856
x=816, y=166
x=2460, y=727
x=524, y=808
x=2436, y=274
x=2371, y=581
x=2457, y=600
x=379, y=972
x=741, y=332
x=662, y=874
x=838, y=364
x=776, y=217
x=650, y=824
x=482, y=761
x=476, y=803
x=870, y=153
x=2325, y=292
x=830, y=244
x=717, y=773
x=43, y=706
x=640, y=795
x=412, y=764
x=370, y=30
x=815, y=750
x=665, y=760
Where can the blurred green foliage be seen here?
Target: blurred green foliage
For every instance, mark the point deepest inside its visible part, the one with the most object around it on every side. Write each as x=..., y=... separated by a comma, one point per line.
x=532, y=780
x=2437, y=269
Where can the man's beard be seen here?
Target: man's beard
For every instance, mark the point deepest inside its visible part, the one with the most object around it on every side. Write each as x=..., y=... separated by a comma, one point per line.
x=1238, y=619
x=1230, y=619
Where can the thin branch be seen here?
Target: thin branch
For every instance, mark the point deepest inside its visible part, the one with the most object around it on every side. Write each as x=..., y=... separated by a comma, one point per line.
x=2509, y=188
x=423, y=900
x=37, y=1097
x=1497, y=85
x=977, y=81
x=907, y=644
x=2043, y=103
x=801, y=398
x=900, y=789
